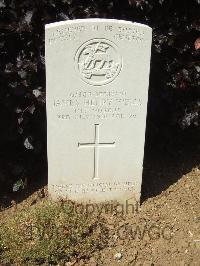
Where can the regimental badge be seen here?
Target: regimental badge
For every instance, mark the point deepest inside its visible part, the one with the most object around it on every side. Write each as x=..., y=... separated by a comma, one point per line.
x=98, y=61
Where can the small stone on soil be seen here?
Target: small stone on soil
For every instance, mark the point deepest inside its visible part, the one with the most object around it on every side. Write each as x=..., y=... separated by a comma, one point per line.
x=118, y=256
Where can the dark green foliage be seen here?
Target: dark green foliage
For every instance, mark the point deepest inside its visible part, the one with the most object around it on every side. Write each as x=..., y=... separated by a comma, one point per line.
x=174, y=98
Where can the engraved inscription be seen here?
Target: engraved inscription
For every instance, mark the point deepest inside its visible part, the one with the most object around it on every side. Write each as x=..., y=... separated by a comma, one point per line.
x=129, y=34
x=98, y=105
x=67, y=33
x=102, y=187
x=98, y=61
x=119, y=33
x=96, y=145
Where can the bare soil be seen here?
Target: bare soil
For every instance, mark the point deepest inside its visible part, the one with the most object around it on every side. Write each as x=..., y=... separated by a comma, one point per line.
x=164, y=230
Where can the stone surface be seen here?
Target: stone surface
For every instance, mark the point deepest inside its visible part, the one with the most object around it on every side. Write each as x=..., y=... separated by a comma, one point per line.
x=97, y=89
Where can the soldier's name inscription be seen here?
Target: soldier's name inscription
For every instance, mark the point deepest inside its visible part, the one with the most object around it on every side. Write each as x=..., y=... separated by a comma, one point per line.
x=97, y=104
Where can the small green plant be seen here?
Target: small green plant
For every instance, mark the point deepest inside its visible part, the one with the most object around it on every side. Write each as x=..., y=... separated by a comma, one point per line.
x=50, y=233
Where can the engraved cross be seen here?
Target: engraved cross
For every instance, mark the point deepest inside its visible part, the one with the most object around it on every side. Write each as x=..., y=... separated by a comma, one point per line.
x=96, y=145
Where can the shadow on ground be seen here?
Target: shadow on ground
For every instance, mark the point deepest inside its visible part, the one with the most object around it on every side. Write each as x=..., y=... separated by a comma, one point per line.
x=166, y=166
x=34, y=183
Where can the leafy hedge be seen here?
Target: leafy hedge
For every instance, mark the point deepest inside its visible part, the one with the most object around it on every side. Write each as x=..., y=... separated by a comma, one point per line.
x=174, y=98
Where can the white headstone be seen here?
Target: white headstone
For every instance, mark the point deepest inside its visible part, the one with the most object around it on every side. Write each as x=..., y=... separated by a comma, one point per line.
x=97, y=89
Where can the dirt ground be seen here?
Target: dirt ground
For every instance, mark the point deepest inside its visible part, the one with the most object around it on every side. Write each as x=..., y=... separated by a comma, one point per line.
x=164, y=230
x=168, y=229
